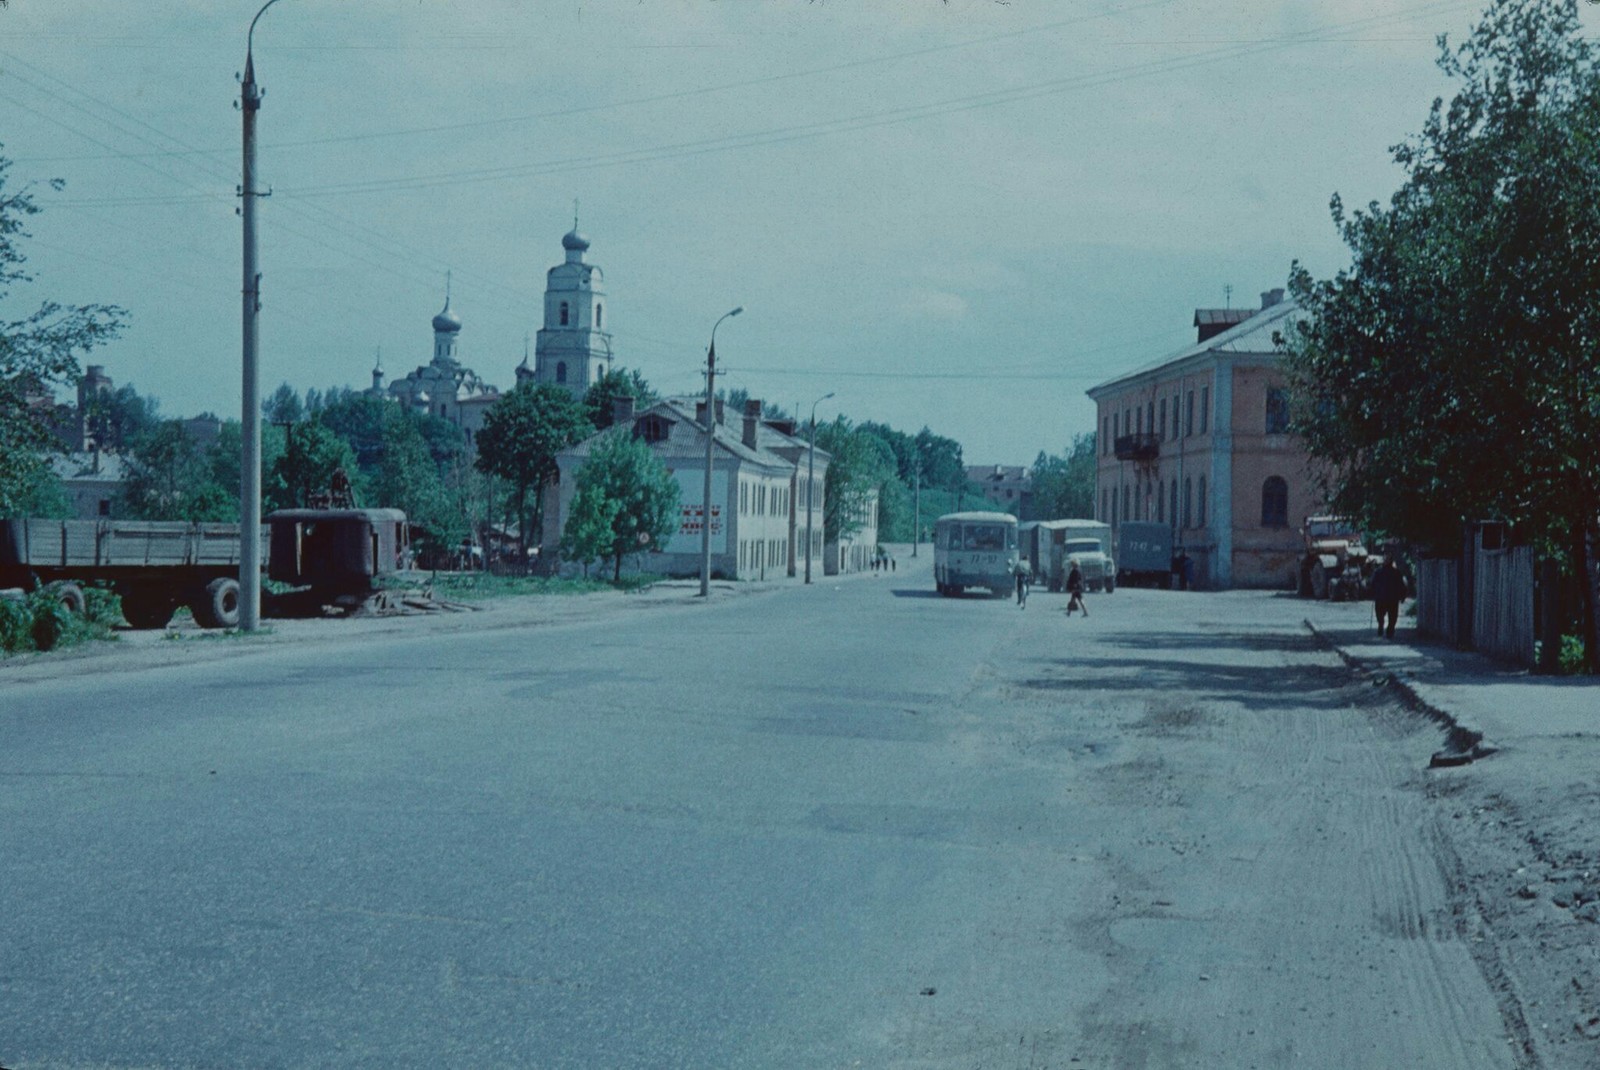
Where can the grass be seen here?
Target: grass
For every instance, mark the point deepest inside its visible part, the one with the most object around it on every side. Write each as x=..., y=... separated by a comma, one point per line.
x=484, y=586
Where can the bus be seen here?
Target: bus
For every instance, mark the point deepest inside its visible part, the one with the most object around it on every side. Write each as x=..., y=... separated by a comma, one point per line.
x=974, y=550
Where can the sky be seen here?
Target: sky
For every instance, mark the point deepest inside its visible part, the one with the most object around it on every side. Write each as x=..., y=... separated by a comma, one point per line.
x=957, y=215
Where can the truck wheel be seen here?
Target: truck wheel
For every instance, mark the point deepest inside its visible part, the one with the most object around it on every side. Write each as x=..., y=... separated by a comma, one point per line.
x=70, y=595
x=1111, y=585
x=147, y=608
x=218, y=607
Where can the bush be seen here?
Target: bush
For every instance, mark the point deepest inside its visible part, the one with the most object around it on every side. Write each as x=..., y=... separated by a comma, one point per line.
x=1571, y=655
x=40, y=622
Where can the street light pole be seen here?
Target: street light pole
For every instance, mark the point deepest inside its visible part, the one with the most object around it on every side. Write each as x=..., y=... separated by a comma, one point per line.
x=811, y=481
x=250, y=449
x=711, y=434
x=916, y=508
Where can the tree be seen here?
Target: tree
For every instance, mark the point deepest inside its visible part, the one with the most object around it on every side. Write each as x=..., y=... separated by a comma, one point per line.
x=408, y=479
x=1063, y=487
x=614, y=384
x=858, y=465
x=284, y=406
x=37, y=354
x=521, y=435
x=168, y=477
x=117, y=419
x=311, y=453
x=1452, y=372
x=940, y=461
x=625, y=502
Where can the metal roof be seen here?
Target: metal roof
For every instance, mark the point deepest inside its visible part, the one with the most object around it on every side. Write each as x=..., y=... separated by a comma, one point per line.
x=1254, y=337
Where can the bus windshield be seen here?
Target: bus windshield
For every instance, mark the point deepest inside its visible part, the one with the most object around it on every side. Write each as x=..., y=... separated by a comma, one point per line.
x=983, y=536
x=1083, y=546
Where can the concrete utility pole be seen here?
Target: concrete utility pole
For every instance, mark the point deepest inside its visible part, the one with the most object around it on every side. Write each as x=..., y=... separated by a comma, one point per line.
x=711, y=433
x=811, y=481
x=250, y=454
x=916, y=507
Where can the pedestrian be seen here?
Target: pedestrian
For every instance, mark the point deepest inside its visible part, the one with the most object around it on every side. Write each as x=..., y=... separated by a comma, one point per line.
x=1185, y=570
x=1022, y=586
x=891, y=564
x=1388, y=589
x=1075, y=591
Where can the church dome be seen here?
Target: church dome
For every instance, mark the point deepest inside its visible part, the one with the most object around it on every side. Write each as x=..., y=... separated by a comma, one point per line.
x=447, y=320
x=574, y=242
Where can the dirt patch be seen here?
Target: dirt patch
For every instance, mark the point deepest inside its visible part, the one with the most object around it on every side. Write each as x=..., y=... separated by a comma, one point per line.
x=1168, y=717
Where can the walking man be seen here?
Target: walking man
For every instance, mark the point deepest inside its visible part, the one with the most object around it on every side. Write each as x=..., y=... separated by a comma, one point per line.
x=1075, y=591
x=1388, y=589
x=1022, y=586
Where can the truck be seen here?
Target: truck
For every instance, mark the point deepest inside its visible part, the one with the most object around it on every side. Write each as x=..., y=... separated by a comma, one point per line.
x=1144, y=554
x=1051, y=547
x=1336, y=563
x=331, y=556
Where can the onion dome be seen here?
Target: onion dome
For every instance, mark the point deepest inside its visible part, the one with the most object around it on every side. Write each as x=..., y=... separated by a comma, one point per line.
x=447, y=320
x=574, y=242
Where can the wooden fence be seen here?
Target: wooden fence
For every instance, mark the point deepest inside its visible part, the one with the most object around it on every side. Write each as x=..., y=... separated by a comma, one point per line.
x=1482, y=601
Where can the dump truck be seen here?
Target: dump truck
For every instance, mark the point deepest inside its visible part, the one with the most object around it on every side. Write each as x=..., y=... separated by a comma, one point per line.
x=331, y=556
x=1051, y=547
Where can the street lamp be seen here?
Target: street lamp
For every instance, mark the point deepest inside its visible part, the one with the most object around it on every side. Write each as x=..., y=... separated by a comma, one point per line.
x=250, y=449
x=811, y=480
x=711, y=426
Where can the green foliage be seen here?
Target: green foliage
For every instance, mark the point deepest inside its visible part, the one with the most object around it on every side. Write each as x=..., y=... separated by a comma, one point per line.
x=118, y=419
x=39, y=622
x=1063, y=486
x=625, y=501
x=38, y=353
x=310, y=455
x=521, y=435
x=1452, y=372
x=616, y=383
x=169, y=477
x=408, y=479
x=859, y=464
x=283, y=407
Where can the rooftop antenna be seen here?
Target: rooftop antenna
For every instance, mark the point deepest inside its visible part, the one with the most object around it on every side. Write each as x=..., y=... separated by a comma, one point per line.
x=1227, y=295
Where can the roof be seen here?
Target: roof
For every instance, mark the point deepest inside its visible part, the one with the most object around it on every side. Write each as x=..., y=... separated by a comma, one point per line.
x=1253, y=337
x=991, y=517
x=677, y=411
x=1207, y=317
x=81, y=467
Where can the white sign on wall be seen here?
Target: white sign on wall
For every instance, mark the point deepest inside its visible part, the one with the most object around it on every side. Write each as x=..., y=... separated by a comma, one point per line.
x=692, y=514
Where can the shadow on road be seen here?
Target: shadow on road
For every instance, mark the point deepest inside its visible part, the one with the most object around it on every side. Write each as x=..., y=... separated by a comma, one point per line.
x=1260, y=687
x=1294, y=644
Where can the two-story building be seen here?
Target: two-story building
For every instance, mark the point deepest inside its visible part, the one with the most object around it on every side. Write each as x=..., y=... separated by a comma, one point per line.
x=759, y=479
x=1200, y=441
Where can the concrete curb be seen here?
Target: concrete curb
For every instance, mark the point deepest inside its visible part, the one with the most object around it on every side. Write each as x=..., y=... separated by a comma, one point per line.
x=1463, y=745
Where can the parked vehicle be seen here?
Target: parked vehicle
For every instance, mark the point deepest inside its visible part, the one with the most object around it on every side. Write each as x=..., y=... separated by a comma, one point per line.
x=157, y=566
x=975, y=550
x=1144, y=554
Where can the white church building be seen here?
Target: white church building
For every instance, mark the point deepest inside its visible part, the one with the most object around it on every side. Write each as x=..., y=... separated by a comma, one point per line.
x=573, y=348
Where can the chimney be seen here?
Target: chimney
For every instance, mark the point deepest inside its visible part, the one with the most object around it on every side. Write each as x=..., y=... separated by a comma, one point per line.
x=621, y=410
x=1271, y=297
x=700, y=413
x=752, y=418
x=784, y=427
x=721, y=419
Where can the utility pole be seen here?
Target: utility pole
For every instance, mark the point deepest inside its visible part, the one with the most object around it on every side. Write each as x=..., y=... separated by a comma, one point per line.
x=711, y=434
x=811, y=481
x=916, y=507
x=250, y=452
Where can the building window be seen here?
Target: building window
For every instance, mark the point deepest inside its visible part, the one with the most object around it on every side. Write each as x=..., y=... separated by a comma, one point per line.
x=1200, y=518
x=1174, y=497
x=565, y=313
x=1205, y=408
x=1138, y=420
x=561, y=372
x=1150, y=418
x=1188, y=503
x=1126, y=493
x=1105, y=436
x=1277, y=411
x=1161, y=507
x=599, y=316
x=1275, y=503
x=1163, y=419
x=105, y=506
x=1188, y=416
x=1116, y=425
x=652, y=429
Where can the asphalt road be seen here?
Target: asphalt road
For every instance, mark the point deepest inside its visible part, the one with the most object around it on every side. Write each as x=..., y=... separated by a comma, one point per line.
x=850, y=825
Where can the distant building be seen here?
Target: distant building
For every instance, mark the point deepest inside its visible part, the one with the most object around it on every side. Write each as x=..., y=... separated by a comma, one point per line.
x=92, y=482
x=443, y=387
x=1200, y=441
x=1004, y=484
x=759, y=483
x=573, y=348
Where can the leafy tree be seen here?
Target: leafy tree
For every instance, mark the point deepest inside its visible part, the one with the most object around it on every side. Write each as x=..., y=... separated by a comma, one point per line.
x=521, y=435
x=117, y=419
x=940, y=461
x=311, y=453
x=858, y=466
x=625, y=502
x=284, y=406
x=408, y=479
x=168, y=477
x=1452, y=371
x=616, y=383
x=1063, y=486
x=37, y=354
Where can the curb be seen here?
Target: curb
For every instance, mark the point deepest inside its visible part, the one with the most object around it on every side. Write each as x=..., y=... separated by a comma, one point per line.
x=1463, y=745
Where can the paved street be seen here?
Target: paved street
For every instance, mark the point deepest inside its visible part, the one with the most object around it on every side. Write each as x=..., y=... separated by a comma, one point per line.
x=850, y=825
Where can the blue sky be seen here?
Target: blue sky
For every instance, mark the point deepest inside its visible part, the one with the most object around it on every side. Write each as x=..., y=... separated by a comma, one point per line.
x=960, y=215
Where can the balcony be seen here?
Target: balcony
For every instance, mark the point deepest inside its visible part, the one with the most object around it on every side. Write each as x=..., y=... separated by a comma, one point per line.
x=1143, y=447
